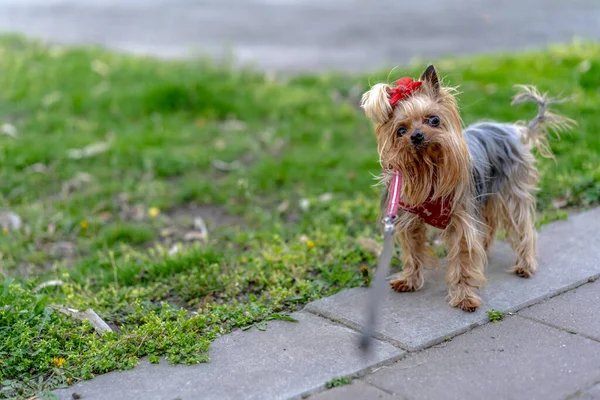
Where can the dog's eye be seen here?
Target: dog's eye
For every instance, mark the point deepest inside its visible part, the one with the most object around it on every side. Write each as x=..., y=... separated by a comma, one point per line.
x=433, y=121
x=401, y=131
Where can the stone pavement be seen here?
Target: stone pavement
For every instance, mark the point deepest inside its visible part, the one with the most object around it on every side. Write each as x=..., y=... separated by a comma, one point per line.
x=517, y=358
x=300, y=35
x=550, y=350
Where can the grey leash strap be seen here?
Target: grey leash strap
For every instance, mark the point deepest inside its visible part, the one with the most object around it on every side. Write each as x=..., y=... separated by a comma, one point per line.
x=378, y=288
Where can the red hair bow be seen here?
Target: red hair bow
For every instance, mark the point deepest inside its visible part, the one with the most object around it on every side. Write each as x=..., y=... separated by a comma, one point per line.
x=404, y=88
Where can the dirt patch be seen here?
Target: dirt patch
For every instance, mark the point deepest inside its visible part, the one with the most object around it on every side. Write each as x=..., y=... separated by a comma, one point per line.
x=214, y=216
x=195, y=223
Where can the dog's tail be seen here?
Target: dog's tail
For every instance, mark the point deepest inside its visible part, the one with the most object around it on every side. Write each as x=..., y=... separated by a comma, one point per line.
x=536, y=132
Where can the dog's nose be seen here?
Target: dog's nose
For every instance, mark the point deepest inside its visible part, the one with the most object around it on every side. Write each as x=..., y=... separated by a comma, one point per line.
x=417, y=137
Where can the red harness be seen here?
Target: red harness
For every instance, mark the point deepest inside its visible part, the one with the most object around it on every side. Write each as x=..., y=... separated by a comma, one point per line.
x=433, y=212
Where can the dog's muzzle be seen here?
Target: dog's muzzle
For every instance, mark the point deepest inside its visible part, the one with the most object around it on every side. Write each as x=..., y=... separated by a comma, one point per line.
x=417, y=137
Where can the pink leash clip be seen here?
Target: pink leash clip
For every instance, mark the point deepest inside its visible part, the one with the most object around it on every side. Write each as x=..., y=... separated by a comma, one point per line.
x=395, y=188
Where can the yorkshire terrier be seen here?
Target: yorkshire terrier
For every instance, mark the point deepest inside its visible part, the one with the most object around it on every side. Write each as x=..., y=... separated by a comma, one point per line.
x=468, y=182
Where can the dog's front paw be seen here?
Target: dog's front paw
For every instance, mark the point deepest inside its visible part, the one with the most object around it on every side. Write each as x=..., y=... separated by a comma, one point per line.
x=466, y=301
x=469, y=304
x=403, y=285
x=523, y=271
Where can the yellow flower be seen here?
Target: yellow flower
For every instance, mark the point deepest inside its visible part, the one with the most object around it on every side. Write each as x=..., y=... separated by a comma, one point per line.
x=84, y=224
x=4, y=231
x=153, y=212
x=58, y=361
x=310, y=244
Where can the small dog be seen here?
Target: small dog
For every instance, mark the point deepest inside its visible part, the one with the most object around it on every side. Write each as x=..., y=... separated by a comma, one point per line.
x=467, y=182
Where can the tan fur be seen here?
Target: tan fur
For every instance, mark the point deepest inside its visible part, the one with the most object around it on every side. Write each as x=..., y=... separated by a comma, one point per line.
x=490, y=214
x=416, y=253
x=376, y=103
x=466, y=260
x=518, y=219
x=442, y=169
x=447, y=150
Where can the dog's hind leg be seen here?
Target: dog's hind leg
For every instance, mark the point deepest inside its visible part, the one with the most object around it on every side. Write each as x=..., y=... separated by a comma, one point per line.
x=491, y=216
x=519, y=218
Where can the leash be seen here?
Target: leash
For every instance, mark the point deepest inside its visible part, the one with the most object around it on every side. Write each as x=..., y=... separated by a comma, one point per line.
x=384, y=262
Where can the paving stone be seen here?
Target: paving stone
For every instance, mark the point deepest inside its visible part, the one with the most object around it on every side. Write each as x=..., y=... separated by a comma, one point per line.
x=569, y=251
x=592, y=393
x=358, y=390
x=288, y=359
x=576, y=310
x=513, y=359
x=411, y=320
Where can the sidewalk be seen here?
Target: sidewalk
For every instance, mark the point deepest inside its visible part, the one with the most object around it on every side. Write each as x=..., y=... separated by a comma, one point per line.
x=548, y=351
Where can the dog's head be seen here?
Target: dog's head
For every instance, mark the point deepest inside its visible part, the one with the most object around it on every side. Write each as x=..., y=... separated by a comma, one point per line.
x=419, y=133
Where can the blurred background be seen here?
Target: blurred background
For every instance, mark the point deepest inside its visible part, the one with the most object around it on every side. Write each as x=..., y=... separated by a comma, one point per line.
x=300, y=35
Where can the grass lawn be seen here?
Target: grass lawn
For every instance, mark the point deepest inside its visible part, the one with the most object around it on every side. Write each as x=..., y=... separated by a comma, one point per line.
x=115, y=156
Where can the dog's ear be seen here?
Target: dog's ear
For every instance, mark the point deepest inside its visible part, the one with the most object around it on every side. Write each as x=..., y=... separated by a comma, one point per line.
x=376, y=103
x=430, y=78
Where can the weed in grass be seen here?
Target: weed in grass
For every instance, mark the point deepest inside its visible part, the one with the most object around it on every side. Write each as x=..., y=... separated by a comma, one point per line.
x=366, y=275
x=262, y=325
x=495, y=316
x=338, y=381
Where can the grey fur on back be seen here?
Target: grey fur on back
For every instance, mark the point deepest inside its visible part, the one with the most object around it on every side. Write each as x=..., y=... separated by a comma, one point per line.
x=501, y=152
x=496, y=154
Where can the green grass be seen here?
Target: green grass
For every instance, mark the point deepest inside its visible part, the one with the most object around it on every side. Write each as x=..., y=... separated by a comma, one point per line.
x=495, y=316
x=338, y=381
x=165, y=125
